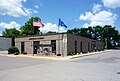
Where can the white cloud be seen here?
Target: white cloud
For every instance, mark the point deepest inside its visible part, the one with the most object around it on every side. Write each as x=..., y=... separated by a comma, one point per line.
x=96, y=8
x=36, y=6
x=34, y=11
x=111, y=3
x=0, y=34
x=86, y=16
x=12, y=24
x=14, y=8
x=98, y=17
x=51, y=27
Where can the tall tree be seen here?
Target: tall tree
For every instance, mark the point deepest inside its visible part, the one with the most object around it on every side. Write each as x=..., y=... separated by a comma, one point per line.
x=29, y=29
x=85, y=32
x=75, y=31
x=107, y=34
x=111, y=35
x=97, y=32
x=12, y=33
x=51, y=32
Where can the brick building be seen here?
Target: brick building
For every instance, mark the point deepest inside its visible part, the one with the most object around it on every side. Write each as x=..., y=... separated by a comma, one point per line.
x=62, y=43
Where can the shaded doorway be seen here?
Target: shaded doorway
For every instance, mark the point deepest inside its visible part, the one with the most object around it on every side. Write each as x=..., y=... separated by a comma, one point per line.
x=88, y=47
x=81, y=50
x=53, y=43
x=22, y=47
x=35, y=47
x=75, y=47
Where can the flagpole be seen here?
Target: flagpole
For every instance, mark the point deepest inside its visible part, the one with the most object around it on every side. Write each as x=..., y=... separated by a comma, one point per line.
x=33, y=37
x=60, y=24
x=58, y=40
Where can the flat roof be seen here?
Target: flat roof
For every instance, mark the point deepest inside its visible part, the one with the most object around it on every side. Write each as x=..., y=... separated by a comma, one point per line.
x=42, y=35
x=5, y=37
x=55, y=34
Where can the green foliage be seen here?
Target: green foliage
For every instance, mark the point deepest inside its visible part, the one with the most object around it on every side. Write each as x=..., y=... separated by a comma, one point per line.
x=51, y=32
x=16, y=53
x=71, y=54
x=58, y=54
x=100, y=33
x=12, y=33
x=13, y=50
x=25, y=53
x=29, y=29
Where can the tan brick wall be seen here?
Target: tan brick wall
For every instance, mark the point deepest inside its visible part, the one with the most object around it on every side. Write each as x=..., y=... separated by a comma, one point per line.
x=43, y=40
x=85, y=41
x=64, y=42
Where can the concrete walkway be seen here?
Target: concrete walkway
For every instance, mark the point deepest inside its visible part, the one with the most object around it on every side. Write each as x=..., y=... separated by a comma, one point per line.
x=53, y=57
x=3, y=52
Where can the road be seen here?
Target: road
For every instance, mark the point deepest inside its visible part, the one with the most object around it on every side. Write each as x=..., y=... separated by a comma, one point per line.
x=100, y=67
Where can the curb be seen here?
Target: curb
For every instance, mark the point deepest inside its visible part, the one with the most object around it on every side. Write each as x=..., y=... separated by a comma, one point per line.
x=36, y=57
x=55, y=58
x=73, y=57
x=82, y=55
x=61, y=58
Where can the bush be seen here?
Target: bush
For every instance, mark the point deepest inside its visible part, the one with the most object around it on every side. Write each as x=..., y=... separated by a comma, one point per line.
x=24, y=53
x=58, y=54
x=71, y=54
x=16, y=53
x=12, y=50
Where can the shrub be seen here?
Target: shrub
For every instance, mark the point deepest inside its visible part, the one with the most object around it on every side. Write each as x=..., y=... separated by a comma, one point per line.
x=58, y=54
x=24, y=53
x=71, y=54
x=8, y=52
x=16, y=53
x=12, y=50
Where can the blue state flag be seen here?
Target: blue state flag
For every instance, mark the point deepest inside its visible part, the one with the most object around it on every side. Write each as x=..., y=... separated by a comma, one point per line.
x=61, y=23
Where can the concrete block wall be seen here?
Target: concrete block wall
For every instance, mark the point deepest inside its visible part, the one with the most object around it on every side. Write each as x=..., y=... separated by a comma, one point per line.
x=65, y=43
x=88, y=45
x=5, y=43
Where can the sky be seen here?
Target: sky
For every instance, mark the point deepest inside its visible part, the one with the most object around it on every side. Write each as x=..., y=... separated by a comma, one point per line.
x=74, y=13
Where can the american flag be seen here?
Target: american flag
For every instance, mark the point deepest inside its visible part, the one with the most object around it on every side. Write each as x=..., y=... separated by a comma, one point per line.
x=38, y=23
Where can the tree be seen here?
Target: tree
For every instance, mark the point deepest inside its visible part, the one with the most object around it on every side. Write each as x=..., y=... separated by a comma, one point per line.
x=97, y=32
x=51, y=32
x=106, y=34
x=29, y=29
x=75, y=31
x=12, y=33
x=111, y=35
x=85, y=32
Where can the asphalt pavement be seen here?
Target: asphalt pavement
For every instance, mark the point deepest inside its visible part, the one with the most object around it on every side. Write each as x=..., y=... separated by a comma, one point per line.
x=100, y=67
x=109, y=56
x=8, y=63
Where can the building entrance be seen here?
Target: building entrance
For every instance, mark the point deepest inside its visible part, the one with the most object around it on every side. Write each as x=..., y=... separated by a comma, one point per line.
x=35, y=47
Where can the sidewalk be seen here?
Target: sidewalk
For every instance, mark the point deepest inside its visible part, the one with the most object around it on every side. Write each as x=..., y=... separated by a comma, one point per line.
x=54, y=57
x=59, y=58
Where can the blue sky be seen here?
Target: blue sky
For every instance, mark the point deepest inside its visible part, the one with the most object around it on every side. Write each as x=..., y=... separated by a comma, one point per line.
x=74, y=13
